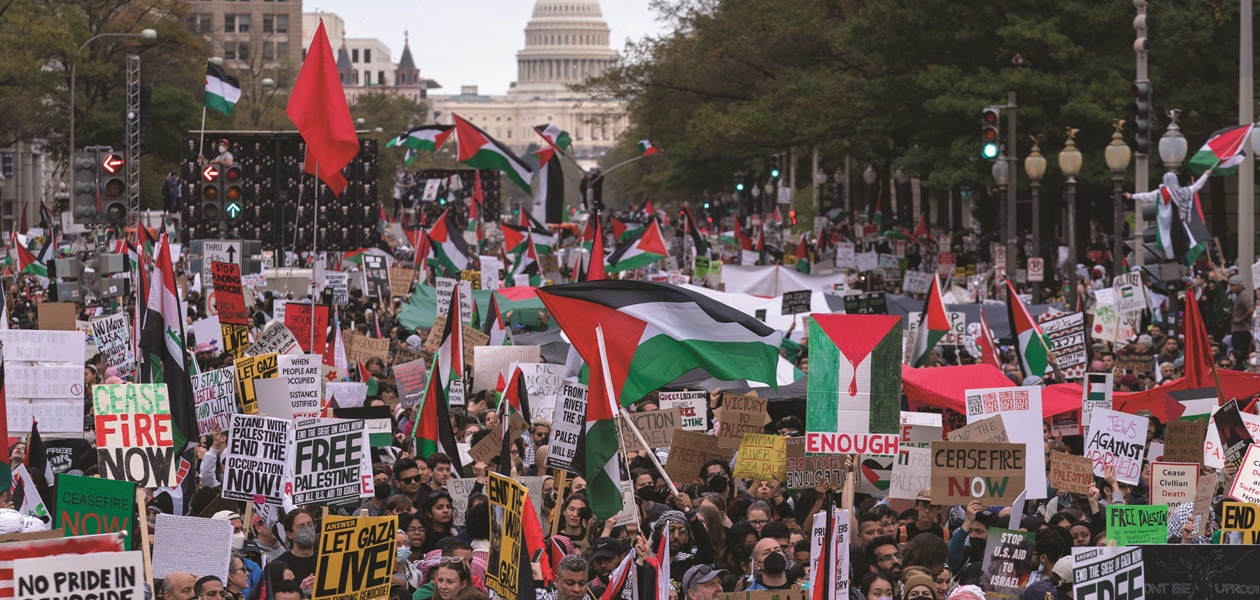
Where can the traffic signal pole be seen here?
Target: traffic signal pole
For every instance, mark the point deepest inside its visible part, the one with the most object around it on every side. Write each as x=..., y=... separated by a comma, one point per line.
x=1011, y=155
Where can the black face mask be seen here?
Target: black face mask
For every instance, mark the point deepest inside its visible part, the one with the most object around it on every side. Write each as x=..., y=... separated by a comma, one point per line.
x=977, y=545
x=383, y=491
x=651, y=494
x=718, y=483
x=774, y=563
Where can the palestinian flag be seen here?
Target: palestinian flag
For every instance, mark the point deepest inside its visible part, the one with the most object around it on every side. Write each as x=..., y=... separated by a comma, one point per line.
x=623, y=230
x=802, y=256
x=162, y=347
x=621, y=579
x=922, y=230
x=544, y=240
x=516, y=394
x=662, y=562
x=595, y=264
x=988, y=345
x=479, y=150
x=1223, y=151
x=222, y=90
x=645, y=248
x=648, y=210
x=745, y=242
x=933, y=325
x=450, y=249
x=26, y=262
x=693, y=230
x=555, y=136
x=1031, y=344
x=646, y=148
x=433, y=428
x=657, y=332
x=425, y=137
x=527, y=264
x=494, y=325
x=549, y=195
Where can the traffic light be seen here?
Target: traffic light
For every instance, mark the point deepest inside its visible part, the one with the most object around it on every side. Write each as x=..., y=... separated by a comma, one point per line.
x=113, y=188
x=774, y=167
x=1142, y=98
x=990, y=133
x=209, y=193
x=84, y=195
x=792, y=216
x=739, y=181
x=233, y=194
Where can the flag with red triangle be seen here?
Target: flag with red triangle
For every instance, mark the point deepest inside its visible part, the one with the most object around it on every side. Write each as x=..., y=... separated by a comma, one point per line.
x=933, y=325
x=646, y=247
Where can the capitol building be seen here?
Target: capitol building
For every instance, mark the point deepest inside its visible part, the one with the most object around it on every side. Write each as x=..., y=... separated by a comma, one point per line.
x=566, y=42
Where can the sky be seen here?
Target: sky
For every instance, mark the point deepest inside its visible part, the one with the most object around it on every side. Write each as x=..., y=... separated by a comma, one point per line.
x=469, y=42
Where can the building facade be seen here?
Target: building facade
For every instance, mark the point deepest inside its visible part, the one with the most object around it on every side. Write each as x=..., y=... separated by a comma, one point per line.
x=365, y=64
x=250, y=36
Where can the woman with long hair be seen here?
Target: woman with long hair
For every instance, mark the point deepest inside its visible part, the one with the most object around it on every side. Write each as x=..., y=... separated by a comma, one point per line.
x=451, y=576
x=437, y=515
x=575, y=518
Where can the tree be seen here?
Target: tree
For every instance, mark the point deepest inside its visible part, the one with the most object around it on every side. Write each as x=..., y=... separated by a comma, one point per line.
x=387, y=116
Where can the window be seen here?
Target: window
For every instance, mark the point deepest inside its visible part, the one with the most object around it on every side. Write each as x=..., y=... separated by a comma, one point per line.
x=242, y=51
x=269, y=51
x=229, y=51
x=269, y=24
x=354, y=55
x=367, y=58
x=367, y=78
x=282, y=23
x=282, y=50
x=242, y=24
x=380, y=77
x=229, y=24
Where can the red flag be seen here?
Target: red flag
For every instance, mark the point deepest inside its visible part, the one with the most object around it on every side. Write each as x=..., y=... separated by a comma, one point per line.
x=988, y=346
x=1199, y=363
x=318, y=107
x=595, y=269
x=921, y=231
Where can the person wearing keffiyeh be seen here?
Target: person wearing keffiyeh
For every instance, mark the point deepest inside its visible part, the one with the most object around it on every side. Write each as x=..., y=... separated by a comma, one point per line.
x=688, y=538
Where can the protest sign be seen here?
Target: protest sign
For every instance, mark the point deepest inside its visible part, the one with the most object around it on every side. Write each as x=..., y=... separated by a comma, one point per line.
x=376, y=271
x=173, y=537
x=693, y=408
x=1133, y=524
x=1183, y=441
x=133, y=433
x=63, y=454
x=460, y=490
x=228, y=298
x=1136, y=363
x=1118, y=440
x=59, y=316
x=207, y=331
x=1065, y=424
x=489, y=362
x=688, y=454
x=275, y=338
x=762, y=456
x=805, y=471
x=795, y=303
x=346, y=394
x=214, y=399
x=405, y=354
x=1066, y=332
x=400, y=282
x=330, y=462
x=301, y=372
x=26, y=380
x=1007, y=563
x=854, y=399
x=1203, y=498
x=1108, y=573
x=235, y=339
x=656, y=427
x=412, y=378
x=356, y=558
x=1213, y=448
x=100, y=575
x=473, y=338
x=946, y=264
x=870, y=303
x=1106, y=322
x=846, y=255
x=966, y=471
x=54, y=415
x=1020, y=408
x=1243, y=518
x=258, y=451
x=543, y=382
x=569, y=423
x=490, y=447
x=916, y=282
x=309, y=325
x=338, y=286
x=91, y=505
x=507, y=535
x=955, y=336
x=1071, y=473
x=990, y=430
x=1130, y=293
x=1234, y=435
x=1173, y=483
x=43, y=346
x=112, y=336
x=361, y=348
x=445, y=290
x=912, y=472
x=1246, y=487
x=273, y=398
x=376, y=419
x=738, y=415
x=249, y=368
x=1095, y=393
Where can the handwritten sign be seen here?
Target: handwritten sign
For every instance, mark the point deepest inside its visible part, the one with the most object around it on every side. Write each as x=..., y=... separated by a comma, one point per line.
x=1071, y=473
x=1173, y=483
x=966, y=471
x=1117, y=440
x=1130, y=524
x=133, y=433
x=693, y=407
x=761, y=457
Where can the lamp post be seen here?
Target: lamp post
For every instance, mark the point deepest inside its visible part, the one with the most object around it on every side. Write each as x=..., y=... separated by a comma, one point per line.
x=869, y=176
x=1035, y=168
x=1173, y=146
x=1117, y=155
x=905, y=200
x=147, y=34
x=1002, y=177
x=1070, y=164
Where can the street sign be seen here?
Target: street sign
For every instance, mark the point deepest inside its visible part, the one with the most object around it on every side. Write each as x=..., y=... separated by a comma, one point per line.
x=212, y=251
x=1036, y=269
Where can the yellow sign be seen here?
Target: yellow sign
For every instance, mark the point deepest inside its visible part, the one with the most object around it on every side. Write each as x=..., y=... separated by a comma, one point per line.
x=507, y=535
x=249, y=368
x=235, y=339
x=762, y=456
x=356, y=558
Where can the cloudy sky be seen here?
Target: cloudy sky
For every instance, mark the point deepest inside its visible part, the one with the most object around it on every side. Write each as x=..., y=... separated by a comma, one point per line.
x=466, y=42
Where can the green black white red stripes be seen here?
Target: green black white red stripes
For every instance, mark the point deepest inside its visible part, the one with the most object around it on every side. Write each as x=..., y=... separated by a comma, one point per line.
x=477, y=149
x=222, y=90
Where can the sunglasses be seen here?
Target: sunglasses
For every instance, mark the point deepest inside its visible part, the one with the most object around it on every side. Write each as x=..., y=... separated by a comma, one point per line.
x=412, y=479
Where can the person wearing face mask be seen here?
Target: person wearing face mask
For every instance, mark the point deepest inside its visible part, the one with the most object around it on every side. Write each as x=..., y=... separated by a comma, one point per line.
x=769, y=567
x=381, y=492
x=299, y=527
x=649, y=497
x=224, y=159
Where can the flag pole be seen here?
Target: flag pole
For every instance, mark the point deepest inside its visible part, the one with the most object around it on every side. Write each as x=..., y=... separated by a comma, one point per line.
x=612, y=400
x=201, y=144
x=314, y=249
x=617, y=409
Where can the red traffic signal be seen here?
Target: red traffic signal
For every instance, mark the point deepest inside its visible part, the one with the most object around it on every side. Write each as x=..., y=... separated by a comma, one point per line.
x=210, y=173
x=112, y=163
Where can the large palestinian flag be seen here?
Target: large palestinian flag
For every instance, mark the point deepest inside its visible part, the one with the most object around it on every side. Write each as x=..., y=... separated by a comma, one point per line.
x=425, y=137
x=933, y=325
x=1031, y=344
x=479, y=150
x=448, y=245
x=645, y=247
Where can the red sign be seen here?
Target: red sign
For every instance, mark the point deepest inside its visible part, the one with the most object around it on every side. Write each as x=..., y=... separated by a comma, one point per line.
x=111, y=163
x=229, y=300
x=209, y=173
x=298, y=317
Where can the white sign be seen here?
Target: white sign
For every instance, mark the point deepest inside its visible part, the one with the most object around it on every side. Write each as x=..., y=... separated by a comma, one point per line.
x=214, y=398
x=460, y=490
x=785, y=194
x=54, y=415
x=916, y=282
x=1246, y=487
x=544, y=382
x=956, y=336
x=208, y=331
x=339, y=284
x=693, y=408
x=846, y=257
x=275, y=338
x=867, y=261
x=173, y=536
x=445, y=289
x=40, y=345
x=491, y=362
x=26, y=380
x=1020, y=408
x=104, y=575
x=112, y=337
x=1036, y=269
x=257, y=455
x=213, y=251
x=1130, y=293
x=324, y=476
x=1173, y=483
x=1117, y=440
x=348, y=394
x=568, y=425
x=302, y=373
x=911, y=473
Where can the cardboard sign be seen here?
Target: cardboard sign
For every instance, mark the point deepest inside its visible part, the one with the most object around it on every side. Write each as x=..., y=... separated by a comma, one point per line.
x=795, y=303
x=356, y=557
x=491, y=446
x=1020, y=408
x=249, y=368
x=912, y=472
x=656, y=427
x=1130, y=293
x=569, y=423
x=1246, y=487
x=1109, y=573
x=507, y=508
x=688, y=454
x=91, y=505
x=1134, y=524
x=1007, y=563
x=739, y=415
x=308, y=325
x=400, y=282
x=411, y=377
x=98, y=575
x=806, y=471
x=57, y=316
x=112, y=336
x=1071, y=473
x=173, y=536
x=301, y=372
x=214, y=399
x=361, y=348
x=274, y=339
x=473, y=339
x=133, y=433
x=489, y=362
x=1173, y=483
x=1183, y=441
x=1119, y=440
x=1203, y=498
x=693, y=407
x=1243, y=518
x=229, y=300
x=761, y=457
x=331, y=462
x=966, y=471
x=258, y=451
x=990, y=430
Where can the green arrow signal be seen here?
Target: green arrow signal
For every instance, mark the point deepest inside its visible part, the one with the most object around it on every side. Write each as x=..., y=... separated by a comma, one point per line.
x=233, y=210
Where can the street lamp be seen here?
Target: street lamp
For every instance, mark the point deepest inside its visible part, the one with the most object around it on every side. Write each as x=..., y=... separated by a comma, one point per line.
x=146, y=34
x=904, y=202
x=1070, y=163
x=1035, y=168
x=1118, y=155
x=869, y=176
x=1173, y=146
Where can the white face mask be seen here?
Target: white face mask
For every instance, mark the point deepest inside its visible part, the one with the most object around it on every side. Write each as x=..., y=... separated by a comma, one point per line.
x=222, y=148
x=238, y=541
